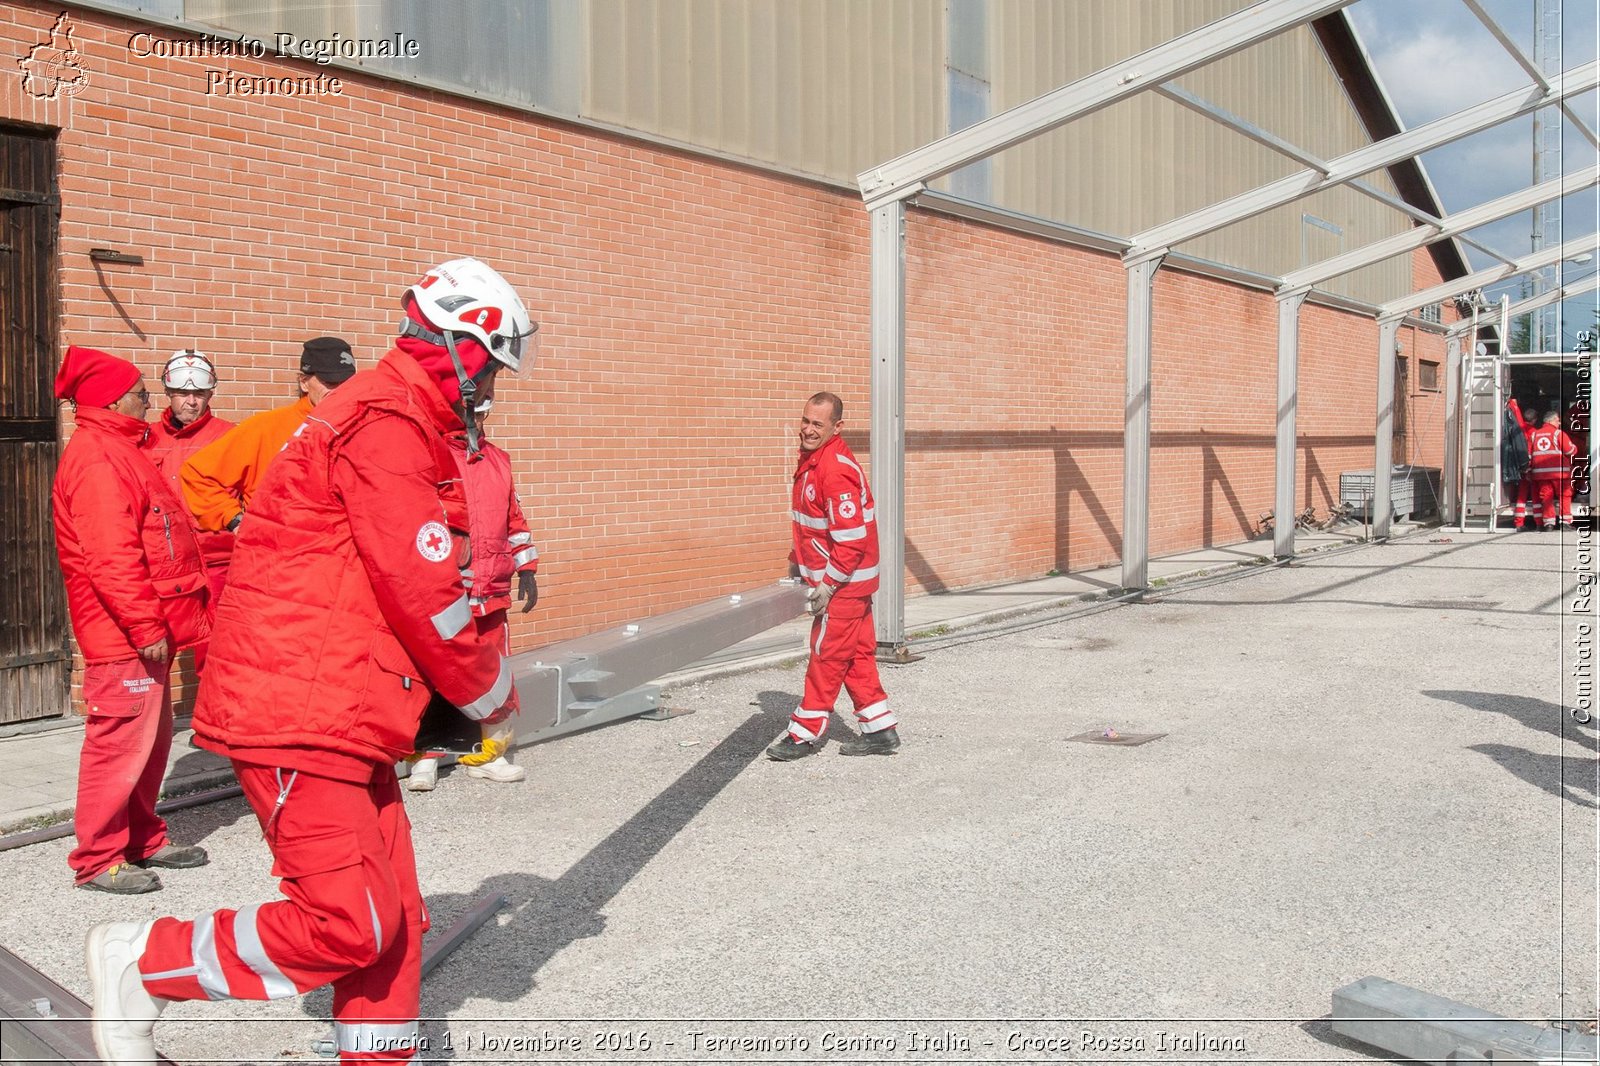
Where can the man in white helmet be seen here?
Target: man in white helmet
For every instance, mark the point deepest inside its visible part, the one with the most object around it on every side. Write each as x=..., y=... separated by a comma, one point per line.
x=186, y=426
x=346, y=610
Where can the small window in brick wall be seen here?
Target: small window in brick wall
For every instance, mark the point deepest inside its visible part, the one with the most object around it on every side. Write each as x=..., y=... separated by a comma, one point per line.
x=1431, y=313
x=1427, y=375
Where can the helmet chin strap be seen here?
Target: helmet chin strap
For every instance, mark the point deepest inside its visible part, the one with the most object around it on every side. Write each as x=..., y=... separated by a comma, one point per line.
x=469, y=396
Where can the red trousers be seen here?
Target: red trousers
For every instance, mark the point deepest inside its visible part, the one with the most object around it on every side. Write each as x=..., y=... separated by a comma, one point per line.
x=126, y=738
x=1549, y=489
x=1527, y=502
x=354, y=915
x=843, y=649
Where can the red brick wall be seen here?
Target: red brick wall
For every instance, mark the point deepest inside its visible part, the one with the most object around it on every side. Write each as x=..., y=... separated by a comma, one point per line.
x=688, y=307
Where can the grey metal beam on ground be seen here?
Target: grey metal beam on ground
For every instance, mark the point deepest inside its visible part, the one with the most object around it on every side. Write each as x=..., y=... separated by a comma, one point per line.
x=587, y=681
x=1426, y=137
x=39, y=1020
x=1419, y=1025
x=907, y=174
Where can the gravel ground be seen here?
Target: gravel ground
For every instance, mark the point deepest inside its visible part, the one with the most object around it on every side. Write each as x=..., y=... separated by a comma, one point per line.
x=1366, y=770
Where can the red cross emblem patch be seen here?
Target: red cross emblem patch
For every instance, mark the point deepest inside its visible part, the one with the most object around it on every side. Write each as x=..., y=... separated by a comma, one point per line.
x=433, y=542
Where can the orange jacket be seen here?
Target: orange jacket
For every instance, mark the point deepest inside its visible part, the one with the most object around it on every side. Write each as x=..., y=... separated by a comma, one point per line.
x=169, y=446
x=130, y=561
x=219, y=479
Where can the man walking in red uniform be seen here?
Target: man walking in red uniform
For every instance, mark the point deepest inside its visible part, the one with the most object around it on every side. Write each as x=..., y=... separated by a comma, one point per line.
x=184, y=428
x=836, y=550
x=1550, y=453
x=137, y=595
x=345, y=610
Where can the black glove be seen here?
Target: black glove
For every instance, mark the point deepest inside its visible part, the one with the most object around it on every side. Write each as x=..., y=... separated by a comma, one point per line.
x=527, y=589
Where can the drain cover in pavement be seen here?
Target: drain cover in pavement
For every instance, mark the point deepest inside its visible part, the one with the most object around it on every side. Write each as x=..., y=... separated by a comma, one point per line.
x=1114, y=738
x=1455, y=605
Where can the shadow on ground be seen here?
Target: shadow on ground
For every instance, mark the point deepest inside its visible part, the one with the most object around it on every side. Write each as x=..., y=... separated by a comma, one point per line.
x=545, y=916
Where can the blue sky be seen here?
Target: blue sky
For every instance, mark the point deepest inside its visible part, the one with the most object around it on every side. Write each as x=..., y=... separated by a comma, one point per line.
x=1434, y=57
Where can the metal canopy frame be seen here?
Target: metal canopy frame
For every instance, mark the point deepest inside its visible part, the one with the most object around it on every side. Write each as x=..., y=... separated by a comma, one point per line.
x=886, y=188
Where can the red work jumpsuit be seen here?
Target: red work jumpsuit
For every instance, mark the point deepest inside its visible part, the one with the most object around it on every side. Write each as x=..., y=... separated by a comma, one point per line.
x=134, y=577
x=1525, y=491
x=836, y=543
x=169, y=447
x=345, y=607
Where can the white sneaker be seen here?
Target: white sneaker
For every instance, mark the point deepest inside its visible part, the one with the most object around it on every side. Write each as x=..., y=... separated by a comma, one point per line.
x=498, y=770
x=424, y=775
x=124, y=1014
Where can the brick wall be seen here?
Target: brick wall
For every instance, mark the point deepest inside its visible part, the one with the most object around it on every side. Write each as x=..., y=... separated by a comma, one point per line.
x=688, y=306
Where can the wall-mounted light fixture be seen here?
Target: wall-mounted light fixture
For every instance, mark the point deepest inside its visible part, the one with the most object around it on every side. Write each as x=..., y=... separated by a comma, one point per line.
x=112, y=255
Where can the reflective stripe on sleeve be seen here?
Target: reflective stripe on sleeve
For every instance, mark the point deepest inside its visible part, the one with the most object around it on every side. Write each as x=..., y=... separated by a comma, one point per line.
x=453, y=619
x=517, y=539
x=810, y=574
x=495, y=698
x=524, y=557
x=808, y=521
x=859, y=533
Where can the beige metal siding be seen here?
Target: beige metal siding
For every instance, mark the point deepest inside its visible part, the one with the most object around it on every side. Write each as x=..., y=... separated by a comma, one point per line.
x=1151, y=159
x=833, y=87
x=820, y=86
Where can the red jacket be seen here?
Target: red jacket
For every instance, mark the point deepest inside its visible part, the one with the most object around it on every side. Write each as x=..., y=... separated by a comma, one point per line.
x=130, y=561
x=501, y=542
x=835, y=529
x=345, y=605
x=169, y=446
x=1550, y=453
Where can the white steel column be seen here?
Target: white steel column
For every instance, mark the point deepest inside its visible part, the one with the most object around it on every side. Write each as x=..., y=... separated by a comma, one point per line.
x=1451, y=477
x=1382, y=504
x=888, y=418
x=1283, y=510
x=1136, y=428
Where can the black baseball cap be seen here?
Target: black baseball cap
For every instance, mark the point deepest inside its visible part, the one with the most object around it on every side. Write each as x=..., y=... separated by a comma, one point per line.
x=328, y=359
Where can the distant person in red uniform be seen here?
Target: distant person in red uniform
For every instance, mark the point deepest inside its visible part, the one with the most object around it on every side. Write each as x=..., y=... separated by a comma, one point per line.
x=345, y=611
x=137, y=594
x=1550, y=453
x=835, y=532
x=1527, y=499
x=186, y=426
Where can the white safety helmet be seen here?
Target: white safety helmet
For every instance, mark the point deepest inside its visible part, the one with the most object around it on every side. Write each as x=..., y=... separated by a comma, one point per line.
x=468, y=296
x=189, y=371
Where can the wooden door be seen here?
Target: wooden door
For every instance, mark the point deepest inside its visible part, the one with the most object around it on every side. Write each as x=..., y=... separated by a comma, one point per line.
x=35, y=659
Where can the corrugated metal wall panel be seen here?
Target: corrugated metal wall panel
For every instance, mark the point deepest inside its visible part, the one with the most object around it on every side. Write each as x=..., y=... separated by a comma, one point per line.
x=831, y=87
x=819, y=86
x=1149, y=159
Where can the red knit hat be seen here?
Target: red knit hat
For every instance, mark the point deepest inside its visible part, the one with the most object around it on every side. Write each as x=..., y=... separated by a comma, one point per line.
x=94, y=378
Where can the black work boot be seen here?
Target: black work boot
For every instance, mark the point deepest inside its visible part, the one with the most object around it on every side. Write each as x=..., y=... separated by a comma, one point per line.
x=788, y=749
x=176, y=857
x=883, y=742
